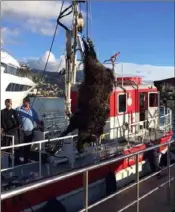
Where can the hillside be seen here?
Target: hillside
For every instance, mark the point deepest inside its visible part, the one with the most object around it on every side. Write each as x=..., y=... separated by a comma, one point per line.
x=53, y=77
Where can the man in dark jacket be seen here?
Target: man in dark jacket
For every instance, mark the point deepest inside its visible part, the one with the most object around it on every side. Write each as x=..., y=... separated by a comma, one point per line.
x=10, y=126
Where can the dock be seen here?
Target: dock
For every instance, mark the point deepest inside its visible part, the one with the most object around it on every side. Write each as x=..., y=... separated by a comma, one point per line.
x=156, y=201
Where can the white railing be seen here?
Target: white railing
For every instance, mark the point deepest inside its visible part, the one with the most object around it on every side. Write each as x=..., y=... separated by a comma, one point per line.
x=13, y=147
x=54, y=121
x=164, y=124
x=40, y=152
x=167, y=126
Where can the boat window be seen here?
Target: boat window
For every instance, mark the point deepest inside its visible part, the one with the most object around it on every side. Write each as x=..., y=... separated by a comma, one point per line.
x=4, y=66
x=17, y=87
x=143, y=100
x=11, y=70
x=153, y=100
x=122, y=103
x=10, y=87
x=21, y=87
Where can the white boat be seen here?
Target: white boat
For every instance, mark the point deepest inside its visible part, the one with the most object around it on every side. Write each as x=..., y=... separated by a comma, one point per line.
x=15, y=84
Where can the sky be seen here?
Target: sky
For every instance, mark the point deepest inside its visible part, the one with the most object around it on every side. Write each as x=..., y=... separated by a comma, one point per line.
x=143, y=33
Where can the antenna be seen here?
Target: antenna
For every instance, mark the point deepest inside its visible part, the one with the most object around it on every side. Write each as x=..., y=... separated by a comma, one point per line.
x=112, y=59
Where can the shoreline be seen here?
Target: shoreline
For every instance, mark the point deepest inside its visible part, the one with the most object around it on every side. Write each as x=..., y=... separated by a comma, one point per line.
x=45, y=97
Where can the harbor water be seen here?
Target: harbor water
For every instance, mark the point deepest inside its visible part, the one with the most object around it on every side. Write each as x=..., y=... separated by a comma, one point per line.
x=55, y=106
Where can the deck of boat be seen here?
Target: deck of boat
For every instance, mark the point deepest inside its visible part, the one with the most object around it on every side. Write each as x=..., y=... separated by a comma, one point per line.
x=57, y=165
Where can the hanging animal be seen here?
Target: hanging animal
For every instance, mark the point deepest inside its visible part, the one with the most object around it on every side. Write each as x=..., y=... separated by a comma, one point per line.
x=93, y=99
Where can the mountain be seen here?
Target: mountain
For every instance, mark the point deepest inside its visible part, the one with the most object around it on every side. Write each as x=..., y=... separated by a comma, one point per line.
x=54, y=77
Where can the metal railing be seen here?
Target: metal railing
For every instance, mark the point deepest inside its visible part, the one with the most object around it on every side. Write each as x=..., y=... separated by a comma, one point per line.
x=30, y=143
x=133, y=130
x=13, y=147
x=53, y=121
x=167, y=125
x=86, y=170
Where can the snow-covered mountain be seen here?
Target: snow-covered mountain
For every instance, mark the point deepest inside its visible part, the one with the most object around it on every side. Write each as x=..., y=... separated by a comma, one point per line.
x=148, y=72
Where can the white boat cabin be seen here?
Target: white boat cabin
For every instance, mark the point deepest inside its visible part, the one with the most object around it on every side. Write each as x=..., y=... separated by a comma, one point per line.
x=130, y=102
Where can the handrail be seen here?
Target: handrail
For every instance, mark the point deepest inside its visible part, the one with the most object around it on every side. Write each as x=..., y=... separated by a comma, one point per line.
x=50, y=180
x=13, y=146
x=73, y=136
x=129, y=134
x=39, y=142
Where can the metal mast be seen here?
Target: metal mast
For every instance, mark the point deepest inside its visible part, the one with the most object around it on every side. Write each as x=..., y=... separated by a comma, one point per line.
x=71, y=48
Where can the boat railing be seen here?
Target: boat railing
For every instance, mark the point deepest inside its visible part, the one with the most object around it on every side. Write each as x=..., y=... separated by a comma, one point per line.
x=68, y=142
x=54, y=122
x=85, y=172
x=58, y=122
x=137, y=130
x=13, y=146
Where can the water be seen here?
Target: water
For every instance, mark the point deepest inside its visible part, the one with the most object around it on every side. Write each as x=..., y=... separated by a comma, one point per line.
x=44, y=105
x=55, y=106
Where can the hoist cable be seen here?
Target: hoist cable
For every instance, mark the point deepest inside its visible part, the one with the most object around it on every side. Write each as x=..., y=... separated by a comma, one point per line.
x=53, y=39
x=87, y=19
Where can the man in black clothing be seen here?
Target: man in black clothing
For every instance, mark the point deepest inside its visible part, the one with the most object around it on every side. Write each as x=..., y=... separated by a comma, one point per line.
x=10, y=126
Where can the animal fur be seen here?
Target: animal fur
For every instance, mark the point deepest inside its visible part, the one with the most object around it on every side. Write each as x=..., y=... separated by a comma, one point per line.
x=93, y=100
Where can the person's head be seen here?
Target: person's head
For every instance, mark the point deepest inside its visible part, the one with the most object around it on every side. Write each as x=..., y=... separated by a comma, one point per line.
x=26, y=102
x=8, y=103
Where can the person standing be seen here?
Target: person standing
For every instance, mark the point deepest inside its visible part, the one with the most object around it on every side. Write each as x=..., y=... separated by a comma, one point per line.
x=10, y=126
x=27, y=117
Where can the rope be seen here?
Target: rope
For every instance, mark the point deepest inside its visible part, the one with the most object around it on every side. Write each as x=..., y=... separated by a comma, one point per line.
x=87, y=20
x=53, y=39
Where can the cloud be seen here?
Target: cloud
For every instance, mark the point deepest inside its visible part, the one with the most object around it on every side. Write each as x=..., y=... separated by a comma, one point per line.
x=37, y=16
x=54, y=64
x=146, y=71
x=9, y=36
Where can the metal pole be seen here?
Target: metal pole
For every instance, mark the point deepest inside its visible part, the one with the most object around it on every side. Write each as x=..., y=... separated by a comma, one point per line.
x=137, y=181
x=169, y=175
x=122, y=75
x=40, y=160
x=85, y=182
x=75, y=31
x=68, y=73
x=13, y=151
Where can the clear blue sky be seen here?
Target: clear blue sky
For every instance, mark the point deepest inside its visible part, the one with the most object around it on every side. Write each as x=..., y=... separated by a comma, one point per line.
x=142, y=31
